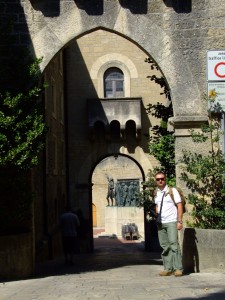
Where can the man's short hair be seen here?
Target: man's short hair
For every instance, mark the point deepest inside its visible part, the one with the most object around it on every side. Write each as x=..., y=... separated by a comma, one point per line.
x=160, y=172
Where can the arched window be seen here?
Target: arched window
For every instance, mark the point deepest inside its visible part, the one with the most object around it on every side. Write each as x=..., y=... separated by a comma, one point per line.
x=113, y=83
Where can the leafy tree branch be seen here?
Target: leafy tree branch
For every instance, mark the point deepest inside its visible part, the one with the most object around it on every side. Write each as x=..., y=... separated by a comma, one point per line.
x=204, y=174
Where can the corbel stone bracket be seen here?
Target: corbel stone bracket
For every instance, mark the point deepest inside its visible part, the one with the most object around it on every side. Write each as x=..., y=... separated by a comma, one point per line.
x=181, y=125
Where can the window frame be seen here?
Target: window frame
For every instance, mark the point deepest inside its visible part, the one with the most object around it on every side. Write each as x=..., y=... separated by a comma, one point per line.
x=114, y=82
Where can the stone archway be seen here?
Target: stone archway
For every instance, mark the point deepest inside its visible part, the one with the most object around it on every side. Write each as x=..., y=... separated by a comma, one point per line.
x=58, y=32
x=123, y=170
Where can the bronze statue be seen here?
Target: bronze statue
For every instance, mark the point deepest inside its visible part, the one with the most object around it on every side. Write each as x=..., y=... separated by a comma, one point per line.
x=110, y=193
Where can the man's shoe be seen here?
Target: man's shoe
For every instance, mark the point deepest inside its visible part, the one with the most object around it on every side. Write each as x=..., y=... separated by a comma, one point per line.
x=165, y=273
x=178, y=273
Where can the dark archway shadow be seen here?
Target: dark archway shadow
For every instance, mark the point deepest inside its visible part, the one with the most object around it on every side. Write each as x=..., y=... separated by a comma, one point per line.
x=109, y=253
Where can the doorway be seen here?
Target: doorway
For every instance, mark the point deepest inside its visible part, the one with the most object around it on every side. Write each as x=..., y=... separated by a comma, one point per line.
x=110, y=218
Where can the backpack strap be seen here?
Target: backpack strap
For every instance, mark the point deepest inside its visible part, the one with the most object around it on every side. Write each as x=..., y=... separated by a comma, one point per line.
x=170, y=192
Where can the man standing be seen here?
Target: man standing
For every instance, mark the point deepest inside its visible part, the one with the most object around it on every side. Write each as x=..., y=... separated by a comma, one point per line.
x=169, y=222
x=69, y=223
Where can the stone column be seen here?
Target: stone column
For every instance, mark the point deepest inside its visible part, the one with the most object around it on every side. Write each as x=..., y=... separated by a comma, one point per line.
x=182, y=126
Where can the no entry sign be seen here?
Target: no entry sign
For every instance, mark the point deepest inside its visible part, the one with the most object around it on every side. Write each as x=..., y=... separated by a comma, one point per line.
x=216, y=65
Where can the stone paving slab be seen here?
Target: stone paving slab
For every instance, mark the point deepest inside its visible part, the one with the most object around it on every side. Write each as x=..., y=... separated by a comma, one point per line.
x=123, y=283
x=116, y=271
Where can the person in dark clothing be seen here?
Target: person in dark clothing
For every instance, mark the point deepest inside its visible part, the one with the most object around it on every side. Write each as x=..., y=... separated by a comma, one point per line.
x=69, y=224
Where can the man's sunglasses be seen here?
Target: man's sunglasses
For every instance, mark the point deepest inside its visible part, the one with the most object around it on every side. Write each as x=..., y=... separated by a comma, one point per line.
x=157, y=179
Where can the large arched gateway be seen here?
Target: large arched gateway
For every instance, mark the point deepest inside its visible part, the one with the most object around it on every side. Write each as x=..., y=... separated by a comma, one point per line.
x=100, y=79
x=94, y=56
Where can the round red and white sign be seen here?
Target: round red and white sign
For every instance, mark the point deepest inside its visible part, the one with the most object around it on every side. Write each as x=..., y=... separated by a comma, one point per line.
x=219, y=70
x=216, y=65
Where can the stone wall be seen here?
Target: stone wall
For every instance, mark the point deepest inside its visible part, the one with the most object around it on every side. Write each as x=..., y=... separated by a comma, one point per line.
x=49, y=178
x=16, y=256
x=203, y=250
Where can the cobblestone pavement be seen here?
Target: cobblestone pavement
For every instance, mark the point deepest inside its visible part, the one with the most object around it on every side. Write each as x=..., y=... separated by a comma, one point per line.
x=116, y=270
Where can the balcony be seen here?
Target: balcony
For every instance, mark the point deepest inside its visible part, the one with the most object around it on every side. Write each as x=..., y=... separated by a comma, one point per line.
x=115, y=117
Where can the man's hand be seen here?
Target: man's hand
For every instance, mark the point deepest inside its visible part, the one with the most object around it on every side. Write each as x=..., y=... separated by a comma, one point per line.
x=179, y=226
x=179, y=215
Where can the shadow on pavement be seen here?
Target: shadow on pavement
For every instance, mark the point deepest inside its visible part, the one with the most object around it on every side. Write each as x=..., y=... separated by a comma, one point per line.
x=109, y=253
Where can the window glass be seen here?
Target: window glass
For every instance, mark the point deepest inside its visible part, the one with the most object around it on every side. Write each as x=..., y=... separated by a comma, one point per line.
x=113, y=83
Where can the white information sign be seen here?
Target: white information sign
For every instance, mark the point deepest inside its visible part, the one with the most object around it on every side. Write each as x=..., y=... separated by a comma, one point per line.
x=216, y=90
x=216, y=65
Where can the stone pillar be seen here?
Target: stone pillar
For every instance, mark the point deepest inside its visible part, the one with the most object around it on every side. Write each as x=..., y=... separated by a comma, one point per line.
x=182, y=126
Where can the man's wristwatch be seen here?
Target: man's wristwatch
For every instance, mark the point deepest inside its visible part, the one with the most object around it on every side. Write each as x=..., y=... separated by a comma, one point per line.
x=180, y=222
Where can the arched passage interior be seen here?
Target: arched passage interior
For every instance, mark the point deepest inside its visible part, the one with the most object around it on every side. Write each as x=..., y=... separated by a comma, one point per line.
x=123, y=170
x=72, y=148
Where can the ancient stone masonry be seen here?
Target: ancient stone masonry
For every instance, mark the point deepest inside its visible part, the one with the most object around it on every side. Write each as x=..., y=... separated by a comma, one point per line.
x=97, y=50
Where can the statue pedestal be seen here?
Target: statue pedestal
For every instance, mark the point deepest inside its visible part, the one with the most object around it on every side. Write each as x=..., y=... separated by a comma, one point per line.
x=116, y=217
